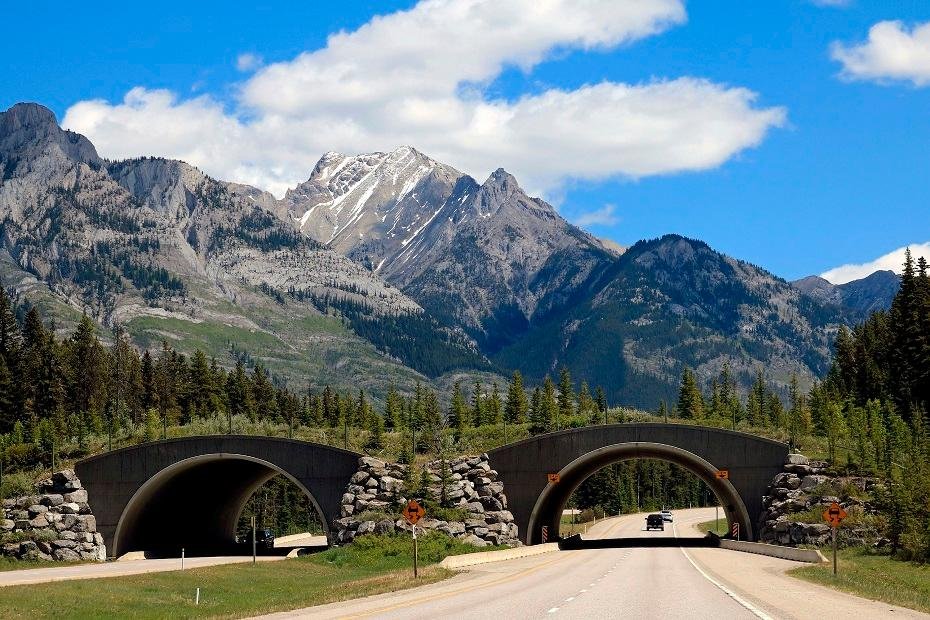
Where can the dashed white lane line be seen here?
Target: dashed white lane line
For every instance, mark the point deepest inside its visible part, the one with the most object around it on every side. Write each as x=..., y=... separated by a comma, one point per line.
x=553, y=610
x=582, y=591
x=733, y=595
x=570, y=599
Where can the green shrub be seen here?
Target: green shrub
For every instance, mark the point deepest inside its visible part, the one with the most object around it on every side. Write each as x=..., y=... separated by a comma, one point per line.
x=17, y=484
x=383, y=551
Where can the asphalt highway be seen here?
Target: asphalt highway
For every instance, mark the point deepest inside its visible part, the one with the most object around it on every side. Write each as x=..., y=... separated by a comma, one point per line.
x=589, y=584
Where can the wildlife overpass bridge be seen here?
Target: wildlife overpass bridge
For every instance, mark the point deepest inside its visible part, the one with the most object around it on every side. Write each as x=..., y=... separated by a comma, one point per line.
x=189, y=492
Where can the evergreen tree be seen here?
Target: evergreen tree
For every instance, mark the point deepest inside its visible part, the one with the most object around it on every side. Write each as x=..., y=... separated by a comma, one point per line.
x=458, y=412
x=549, y=405
x=690, y=401
x=517, y=404
x=601, y=399
x=393, y=409
x=586, y=405
x=201, y=385
x=493, y=407
x=799, y=421
x=375, y=433
x=477, y=405
x=538, y=422
x=566, y=395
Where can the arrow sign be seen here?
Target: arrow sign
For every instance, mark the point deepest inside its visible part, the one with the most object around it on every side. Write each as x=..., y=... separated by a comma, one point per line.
x=834, y=515
x=413, y=512
x=553, y=478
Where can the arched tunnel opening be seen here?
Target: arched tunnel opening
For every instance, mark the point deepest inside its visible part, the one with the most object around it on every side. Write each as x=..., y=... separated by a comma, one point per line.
x=203, y=506
x=555, y=497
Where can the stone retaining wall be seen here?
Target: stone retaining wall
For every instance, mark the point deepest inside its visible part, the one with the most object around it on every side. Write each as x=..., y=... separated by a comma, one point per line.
x=54, y=524
x=472, y=487
x=800, y=488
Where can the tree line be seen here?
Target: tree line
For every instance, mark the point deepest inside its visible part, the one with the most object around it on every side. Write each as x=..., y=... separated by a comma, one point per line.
x=870, y=409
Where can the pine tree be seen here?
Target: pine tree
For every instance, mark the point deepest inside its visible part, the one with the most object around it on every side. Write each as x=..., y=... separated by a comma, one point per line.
x=690, y=401
x=601, y=399
x=458, y=412
x=799, y=421
x=586, y=405
x=375, y=433
x=266, y=405
x=493, y=407
x=550, y=405
x=538, y=422
x=477, y=405
x=201, y=384
x=517, y=404
x=566, y=395
x=393, y=409
x=758, y=401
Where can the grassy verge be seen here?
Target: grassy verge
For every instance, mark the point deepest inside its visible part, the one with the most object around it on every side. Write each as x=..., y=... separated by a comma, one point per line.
x=718, y=527
x=875, y=576
x=372, y=565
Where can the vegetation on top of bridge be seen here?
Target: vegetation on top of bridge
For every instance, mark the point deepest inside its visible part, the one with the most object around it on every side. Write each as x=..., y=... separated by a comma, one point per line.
x=62, y=399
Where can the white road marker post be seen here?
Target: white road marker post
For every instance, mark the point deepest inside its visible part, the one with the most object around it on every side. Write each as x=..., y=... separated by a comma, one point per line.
x=254, y=551
x=197, y=597
x=414, y=550
x=182, y=558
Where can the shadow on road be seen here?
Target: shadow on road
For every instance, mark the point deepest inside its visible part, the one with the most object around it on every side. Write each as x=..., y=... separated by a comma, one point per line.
x=576, y=542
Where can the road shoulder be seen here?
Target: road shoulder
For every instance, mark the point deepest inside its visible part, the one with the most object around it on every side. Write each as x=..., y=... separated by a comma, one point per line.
x=764, y=581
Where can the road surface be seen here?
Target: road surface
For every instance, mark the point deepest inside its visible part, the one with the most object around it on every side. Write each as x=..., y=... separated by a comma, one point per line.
x=632, y=582
x=140, y=566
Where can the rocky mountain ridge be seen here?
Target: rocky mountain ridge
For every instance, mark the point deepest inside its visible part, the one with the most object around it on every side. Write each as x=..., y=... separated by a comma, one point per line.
x=390, y=268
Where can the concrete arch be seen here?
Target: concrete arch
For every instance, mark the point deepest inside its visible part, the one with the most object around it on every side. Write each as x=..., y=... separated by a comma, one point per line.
x=157, y=516
x=751, y=461
x=548, y=507
x=190, y=491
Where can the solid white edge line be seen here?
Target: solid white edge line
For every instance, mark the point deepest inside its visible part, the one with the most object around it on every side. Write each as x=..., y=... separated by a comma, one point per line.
x=733, y=595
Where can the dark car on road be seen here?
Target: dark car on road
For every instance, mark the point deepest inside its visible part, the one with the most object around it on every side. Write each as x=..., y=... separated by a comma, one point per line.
x=655, y=522
x=264, y=538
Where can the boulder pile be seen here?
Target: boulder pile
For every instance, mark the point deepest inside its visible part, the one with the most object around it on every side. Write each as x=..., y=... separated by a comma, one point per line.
x=809, y=487
x=378, y=490
x=54, y=524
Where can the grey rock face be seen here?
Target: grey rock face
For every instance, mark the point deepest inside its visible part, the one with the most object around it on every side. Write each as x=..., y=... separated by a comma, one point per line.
x=790, y=494
x=46, y=516
x=486, y=521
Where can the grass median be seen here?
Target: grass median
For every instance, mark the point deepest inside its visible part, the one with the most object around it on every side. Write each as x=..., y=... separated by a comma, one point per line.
x=720, y=527
x=372, y=565
x=877, y=576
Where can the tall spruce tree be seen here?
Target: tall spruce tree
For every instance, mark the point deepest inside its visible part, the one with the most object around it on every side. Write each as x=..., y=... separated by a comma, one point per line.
x=517, y=405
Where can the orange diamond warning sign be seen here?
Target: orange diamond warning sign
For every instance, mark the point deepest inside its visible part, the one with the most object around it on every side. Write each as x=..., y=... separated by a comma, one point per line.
x=834, y=515
x=413, y=512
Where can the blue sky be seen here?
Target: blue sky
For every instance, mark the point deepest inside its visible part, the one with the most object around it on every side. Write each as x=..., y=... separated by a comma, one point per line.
x=823, y=163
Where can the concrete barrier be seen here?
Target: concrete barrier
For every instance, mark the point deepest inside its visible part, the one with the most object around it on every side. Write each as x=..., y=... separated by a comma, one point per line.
x=454, y=562
x=812, y=556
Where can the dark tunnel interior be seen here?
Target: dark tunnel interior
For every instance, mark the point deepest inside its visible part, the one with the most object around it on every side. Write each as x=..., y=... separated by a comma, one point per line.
x=194, y=506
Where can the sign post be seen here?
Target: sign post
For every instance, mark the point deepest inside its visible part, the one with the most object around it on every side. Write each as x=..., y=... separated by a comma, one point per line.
x=254, y=553
x=834, y=515
x=413, y=512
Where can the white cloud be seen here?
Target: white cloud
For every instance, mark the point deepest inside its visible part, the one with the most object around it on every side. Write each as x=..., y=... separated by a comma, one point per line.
x=892, y=261
x=891, y=53
x=248, y=62
x=416, y=77
x=605, y=216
